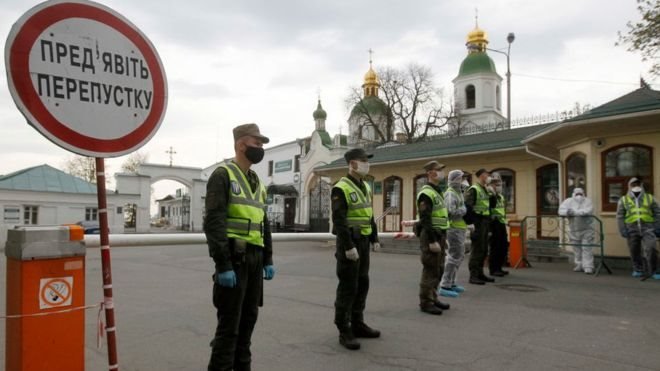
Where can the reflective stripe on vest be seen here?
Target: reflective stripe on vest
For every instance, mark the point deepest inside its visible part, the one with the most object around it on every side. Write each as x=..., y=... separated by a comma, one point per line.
x=499, y=212
x=458, y=224
x=439, y=215
x=359, y=212
x=634, y=213
x=245, y=209
x=481, y=204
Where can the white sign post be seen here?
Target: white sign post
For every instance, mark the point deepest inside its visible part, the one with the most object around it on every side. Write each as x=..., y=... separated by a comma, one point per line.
x=88, y=80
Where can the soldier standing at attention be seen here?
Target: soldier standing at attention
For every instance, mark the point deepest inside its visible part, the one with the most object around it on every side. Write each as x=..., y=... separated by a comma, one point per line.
x=477, y=201
x=355, y=228
x=434, y=222
x=239, y=240
x=499, y=243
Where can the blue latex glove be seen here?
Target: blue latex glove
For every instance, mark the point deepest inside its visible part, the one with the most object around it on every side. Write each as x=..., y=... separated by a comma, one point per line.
x=624, y=234
x=269, y=272
x=226, y=279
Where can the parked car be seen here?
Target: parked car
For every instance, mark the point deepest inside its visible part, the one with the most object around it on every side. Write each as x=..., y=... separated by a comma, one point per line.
x=90, y=226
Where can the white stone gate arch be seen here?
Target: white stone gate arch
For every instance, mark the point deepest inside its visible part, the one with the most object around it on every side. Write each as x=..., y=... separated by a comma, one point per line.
x=148, y=174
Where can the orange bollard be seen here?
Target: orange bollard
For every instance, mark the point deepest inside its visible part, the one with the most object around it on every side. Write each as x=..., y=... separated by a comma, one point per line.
x=45, y=283
x=516, y=257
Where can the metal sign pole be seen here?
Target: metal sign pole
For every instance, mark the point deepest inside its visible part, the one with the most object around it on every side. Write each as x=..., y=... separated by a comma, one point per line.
x=110, y=328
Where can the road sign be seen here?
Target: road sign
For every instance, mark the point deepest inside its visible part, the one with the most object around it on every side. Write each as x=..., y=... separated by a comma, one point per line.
x=55, y=292
x=86, y=78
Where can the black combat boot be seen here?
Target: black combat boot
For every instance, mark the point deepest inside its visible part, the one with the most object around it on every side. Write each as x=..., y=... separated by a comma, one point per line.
x=475, y=280
x=361, y=330
x=441, y=305
x=347, y=339
x=430, y=309
x=485, y=278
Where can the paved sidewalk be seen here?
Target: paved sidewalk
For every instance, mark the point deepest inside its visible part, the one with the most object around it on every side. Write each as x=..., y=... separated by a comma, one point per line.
x=543, y=318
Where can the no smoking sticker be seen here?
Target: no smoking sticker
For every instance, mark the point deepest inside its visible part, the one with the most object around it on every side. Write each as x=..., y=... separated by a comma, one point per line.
x=55, y=292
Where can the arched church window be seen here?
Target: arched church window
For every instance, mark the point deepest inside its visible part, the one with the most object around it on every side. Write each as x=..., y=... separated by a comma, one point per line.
x=576, y=172
x=498, y=97
x=470, y=96
x=619, y=164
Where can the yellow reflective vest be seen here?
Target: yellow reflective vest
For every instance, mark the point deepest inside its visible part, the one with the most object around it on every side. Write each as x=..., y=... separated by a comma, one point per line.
x=439, y=215
x=643, y=212
x=481, y=204
x=359, y=211
x=245, y=209
x=499, y=212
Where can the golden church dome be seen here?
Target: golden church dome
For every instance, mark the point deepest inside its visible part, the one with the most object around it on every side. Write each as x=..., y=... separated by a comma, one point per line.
x=477, y=40
x=370, y=78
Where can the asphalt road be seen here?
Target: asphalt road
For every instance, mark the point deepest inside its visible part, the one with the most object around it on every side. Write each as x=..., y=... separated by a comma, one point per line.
x=541, y=318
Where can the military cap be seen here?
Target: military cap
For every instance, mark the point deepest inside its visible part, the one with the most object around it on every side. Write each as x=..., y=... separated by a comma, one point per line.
x=433, y=165
x=249, y=130
x=357, y=154
x=481, y=171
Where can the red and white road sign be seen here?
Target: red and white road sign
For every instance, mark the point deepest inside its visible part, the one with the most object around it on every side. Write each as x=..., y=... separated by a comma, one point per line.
x=55, y=292
x=86, y=78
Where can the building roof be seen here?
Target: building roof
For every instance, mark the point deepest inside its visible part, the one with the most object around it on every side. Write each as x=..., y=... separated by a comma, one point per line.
x=372, y=105
x=476, y=63
x=642, y=99
x=325, y=138
x=462, y=145
x=44, y=178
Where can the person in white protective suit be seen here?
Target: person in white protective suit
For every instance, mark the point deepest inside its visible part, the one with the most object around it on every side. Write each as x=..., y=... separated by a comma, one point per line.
x=455, y=235
x=579, y=210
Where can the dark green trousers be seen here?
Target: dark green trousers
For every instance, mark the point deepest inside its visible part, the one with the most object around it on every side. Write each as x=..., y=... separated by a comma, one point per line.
x=353, y=285
x=433, y=267
x=479, y=249
x=237, y=311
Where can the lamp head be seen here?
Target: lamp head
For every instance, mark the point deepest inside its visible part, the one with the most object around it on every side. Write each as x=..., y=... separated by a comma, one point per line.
x=510, y=37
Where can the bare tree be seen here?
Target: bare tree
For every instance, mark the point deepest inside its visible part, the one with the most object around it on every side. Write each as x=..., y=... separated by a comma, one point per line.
x=133, y=162
x=81, y=167
x=415, y=106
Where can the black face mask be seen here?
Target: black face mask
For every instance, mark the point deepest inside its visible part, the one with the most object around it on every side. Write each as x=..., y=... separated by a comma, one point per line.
x=254, y=154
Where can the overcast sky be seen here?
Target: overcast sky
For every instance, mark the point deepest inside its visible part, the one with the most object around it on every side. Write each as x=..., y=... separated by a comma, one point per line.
x=231, y=62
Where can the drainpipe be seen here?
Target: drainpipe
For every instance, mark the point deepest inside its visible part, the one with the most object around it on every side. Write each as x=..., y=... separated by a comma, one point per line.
x=559, y=168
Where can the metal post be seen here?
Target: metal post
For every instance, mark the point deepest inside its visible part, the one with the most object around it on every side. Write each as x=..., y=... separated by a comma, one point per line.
x=110, y=328
x=509, y=38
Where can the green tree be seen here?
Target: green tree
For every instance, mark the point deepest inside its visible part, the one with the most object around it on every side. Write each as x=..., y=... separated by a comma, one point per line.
x=644, y=35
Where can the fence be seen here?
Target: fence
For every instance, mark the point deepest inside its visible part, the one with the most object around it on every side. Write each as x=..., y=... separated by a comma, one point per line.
x=549, y=235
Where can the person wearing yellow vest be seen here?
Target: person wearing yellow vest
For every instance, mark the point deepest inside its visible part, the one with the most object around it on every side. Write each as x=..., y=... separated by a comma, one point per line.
x=455, y=234
x=478, y=202
x=353, y=224
x=638, y=219
x=240, y=243
x=433, y=225
x=499, y=243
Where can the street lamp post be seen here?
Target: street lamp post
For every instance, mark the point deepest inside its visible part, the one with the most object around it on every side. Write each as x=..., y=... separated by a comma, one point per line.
x=509, y=38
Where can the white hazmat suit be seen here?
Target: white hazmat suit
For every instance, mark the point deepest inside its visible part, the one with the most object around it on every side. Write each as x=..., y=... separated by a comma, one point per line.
x=582, y=233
